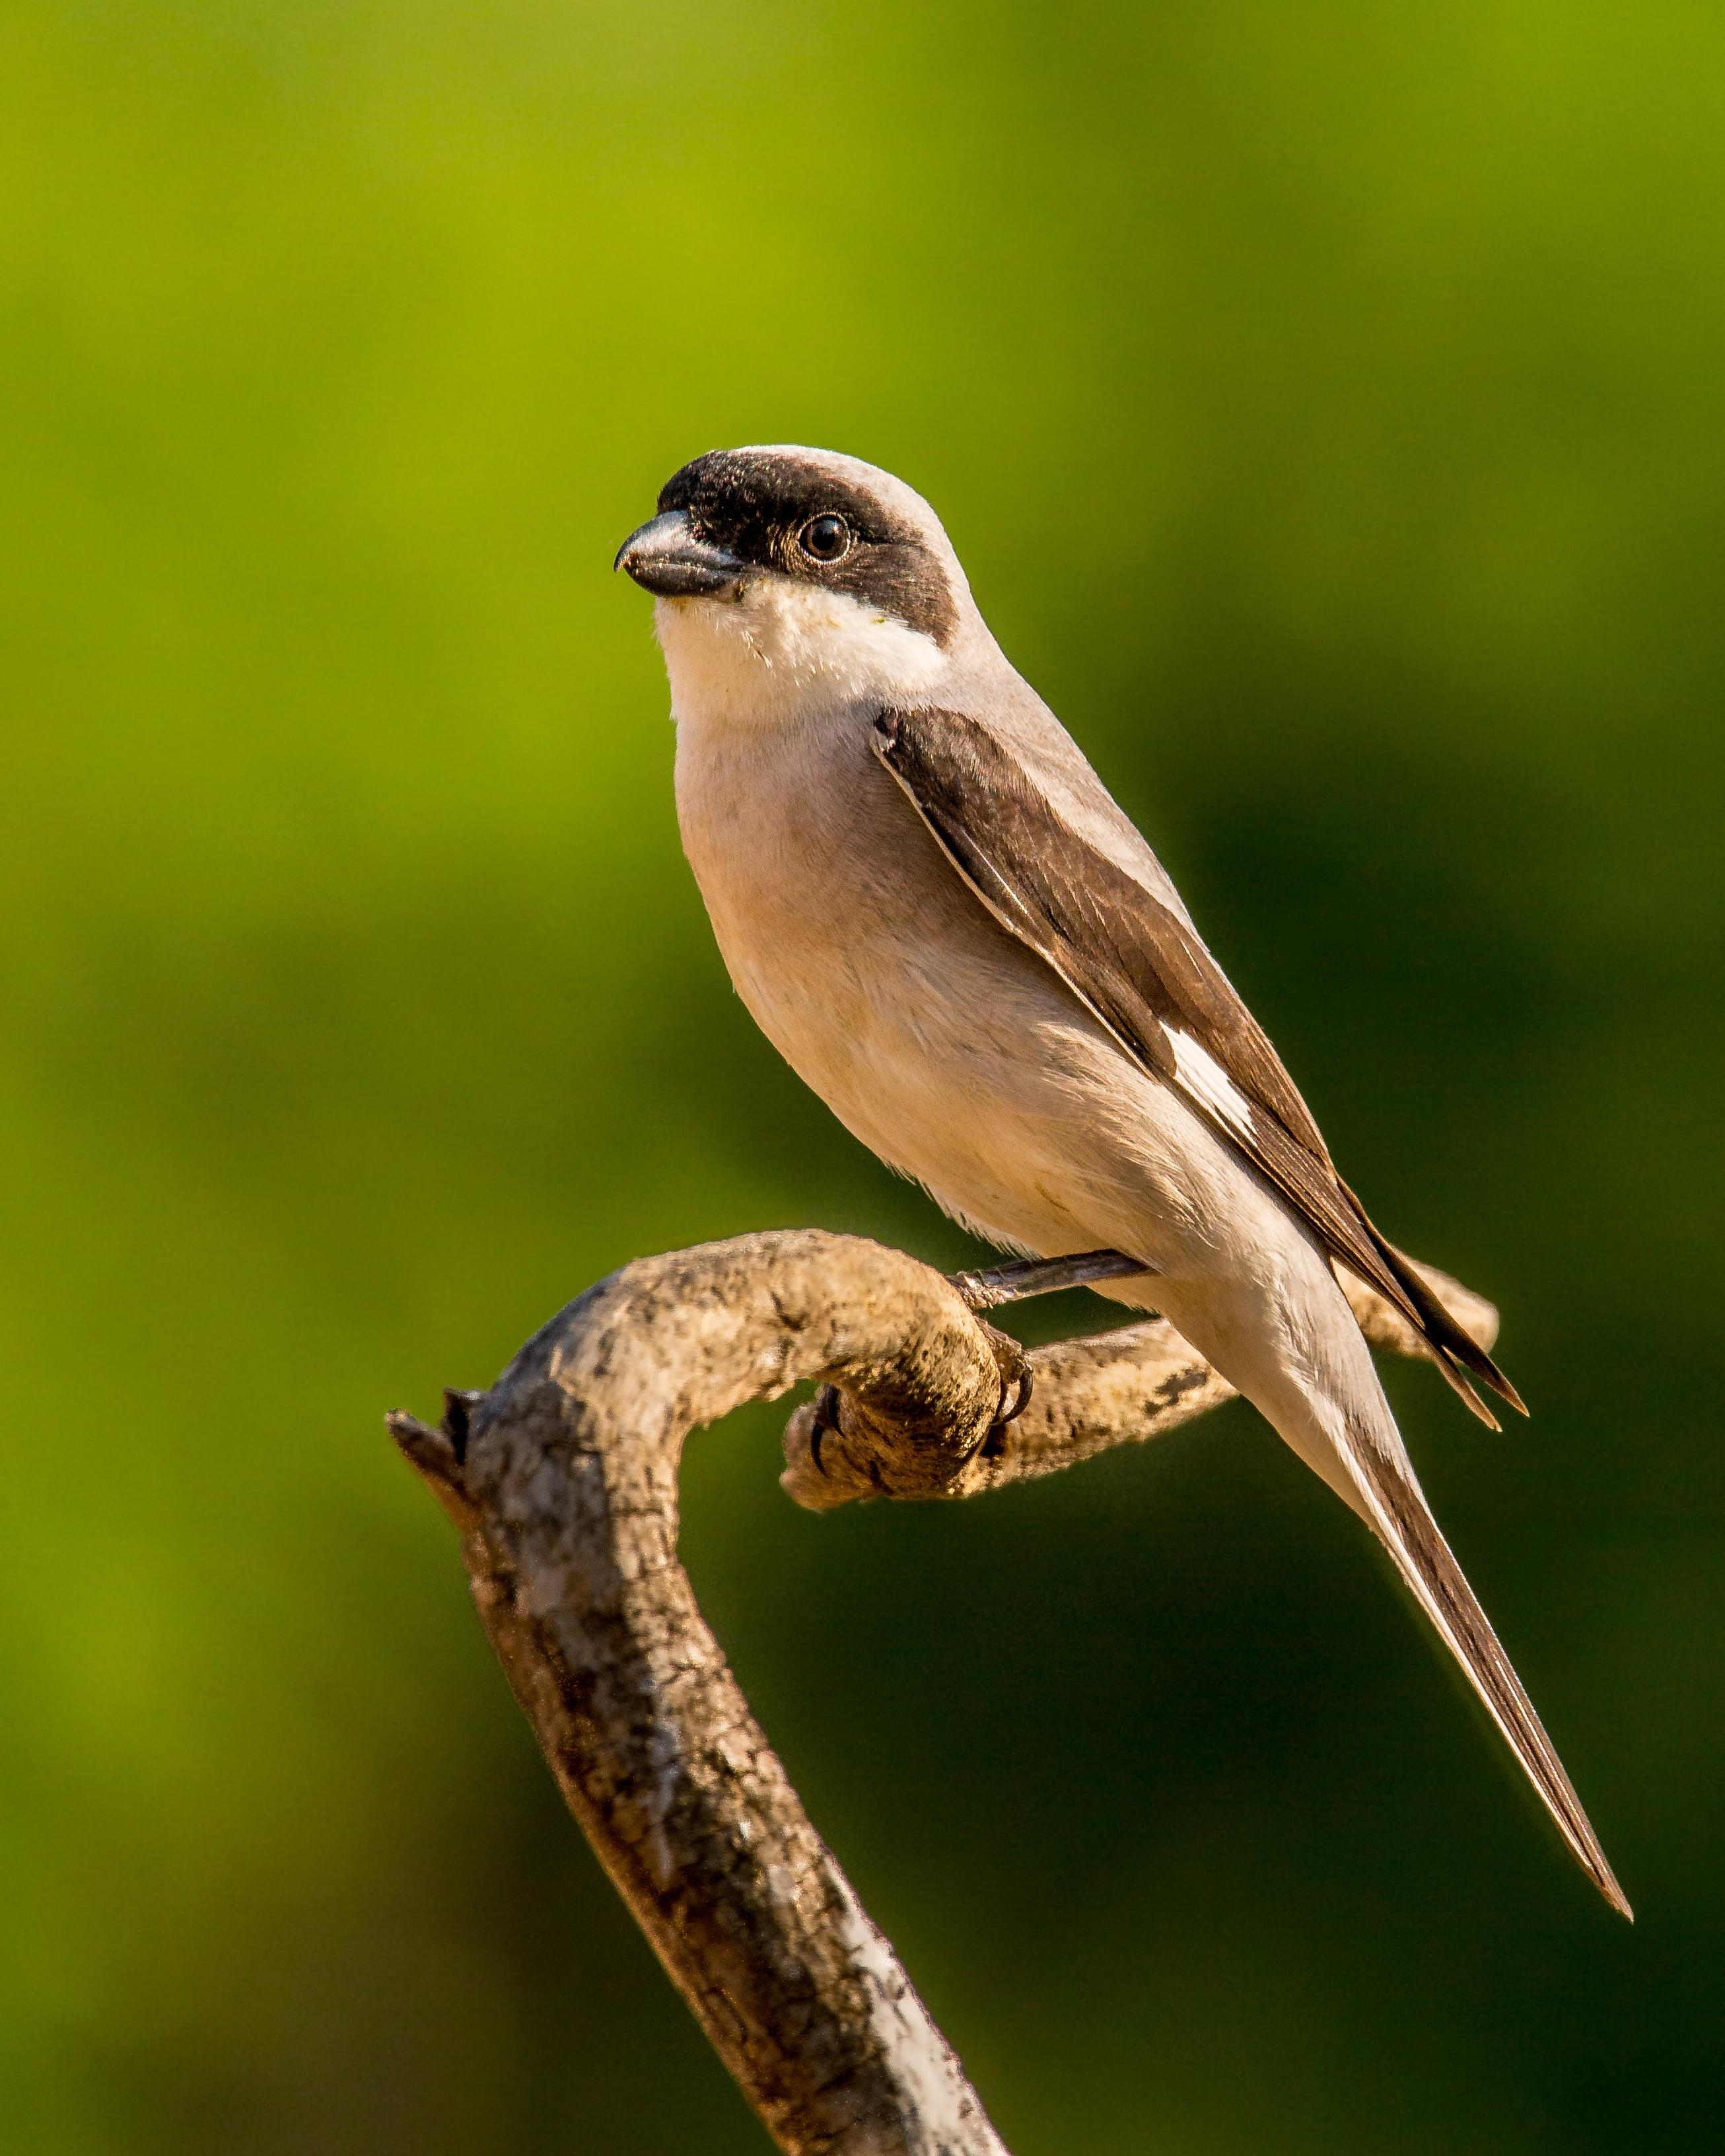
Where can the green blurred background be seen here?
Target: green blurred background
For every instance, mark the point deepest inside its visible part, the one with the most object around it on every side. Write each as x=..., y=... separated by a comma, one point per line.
x=1328, y=402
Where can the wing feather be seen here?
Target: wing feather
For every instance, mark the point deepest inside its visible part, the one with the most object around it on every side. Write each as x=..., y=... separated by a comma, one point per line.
x=1147, y=976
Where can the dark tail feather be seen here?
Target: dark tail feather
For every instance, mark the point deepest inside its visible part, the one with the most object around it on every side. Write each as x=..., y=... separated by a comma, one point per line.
x=1404, y=1526
x=1457, y=1351
x=1464, y=1390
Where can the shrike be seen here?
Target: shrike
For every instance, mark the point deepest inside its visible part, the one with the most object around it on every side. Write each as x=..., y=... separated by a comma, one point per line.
x=939, y=917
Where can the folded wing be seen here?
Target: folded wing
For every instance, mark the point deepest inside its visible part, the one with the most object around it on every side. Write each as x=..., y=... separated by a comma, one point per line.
x=1147, y=976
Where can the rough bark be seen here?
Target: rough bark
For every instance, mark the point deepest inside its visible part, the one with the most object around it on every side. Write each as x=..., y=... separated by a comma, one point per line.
x=562, y=1481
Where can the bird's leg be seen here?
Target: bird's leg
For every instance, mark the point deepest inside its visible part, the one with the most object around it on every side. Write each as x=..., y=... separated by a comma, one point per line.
x=1013, y=1283
x=1029, y=1276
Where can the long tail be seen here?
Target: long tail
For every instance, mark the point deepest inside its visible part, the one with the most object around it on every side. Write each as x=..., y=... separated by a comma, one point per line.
x=1397, y=1510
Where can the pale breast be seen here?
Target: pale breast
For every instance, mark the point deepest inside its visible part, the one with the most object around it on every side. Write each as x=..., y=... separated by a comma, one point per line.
x=855, y=946
x=943, y=1044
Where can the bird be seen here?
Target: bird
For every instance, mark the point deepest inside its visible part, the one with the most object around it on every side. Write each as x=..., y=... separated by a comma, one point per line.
x=938, y=914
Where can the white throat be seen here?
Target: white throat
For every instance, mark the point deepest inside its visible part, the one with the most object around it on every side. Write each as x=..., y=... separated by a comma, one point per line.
x=779, y=653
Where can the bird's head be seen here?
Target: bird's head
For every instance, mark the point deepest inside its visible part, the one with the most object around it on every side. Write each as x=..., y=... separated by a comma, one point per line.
x=787, y=574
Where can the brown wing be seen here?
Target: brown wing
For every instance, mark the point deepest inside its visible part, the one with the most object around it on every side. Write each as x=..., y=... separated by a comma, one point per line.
x=1144, y=973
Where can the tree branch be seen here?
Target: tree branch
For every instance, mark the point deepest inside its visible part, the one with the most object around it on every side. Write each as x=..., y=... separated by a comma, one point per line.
x=1088, y=1395
x=562, y=1483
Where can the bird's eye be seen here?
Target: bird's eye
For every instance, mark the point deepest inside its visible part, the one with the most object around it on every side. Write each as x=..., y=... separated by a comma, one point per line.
x=825, y=538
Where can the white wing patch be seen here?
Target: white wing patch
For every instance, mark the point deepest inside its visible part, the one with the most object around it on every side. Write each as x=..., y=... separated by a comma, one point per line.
x=1204, y=1078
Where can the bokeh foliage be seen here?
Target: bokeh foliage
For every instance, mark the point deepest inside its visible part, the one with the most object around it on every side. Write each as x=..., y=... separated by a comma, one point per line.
x=1327, y=401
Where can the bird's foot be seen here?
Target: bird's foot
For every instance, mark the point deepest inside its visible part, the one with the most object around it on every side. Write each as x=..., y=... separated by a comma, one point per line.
x=823, y=1419
x=1016, y=1378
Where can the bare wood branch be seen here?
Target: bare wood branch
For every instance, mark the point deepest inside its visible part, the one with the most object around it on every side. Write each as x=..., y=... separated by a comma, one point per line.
x=566, y=1502
x=562, y=1481
x=1088, y=1395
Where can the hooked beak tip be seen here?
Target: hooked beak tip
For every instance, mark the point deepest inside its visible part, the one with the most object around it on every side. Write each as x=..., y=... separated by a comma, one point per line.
x=667, y=558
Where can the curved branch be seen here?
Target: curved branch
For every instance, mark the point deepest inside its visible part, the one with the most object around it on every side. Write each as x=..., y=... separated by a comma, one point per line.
x=562, y=1482
x=566, y=1502
x=1087, y=1396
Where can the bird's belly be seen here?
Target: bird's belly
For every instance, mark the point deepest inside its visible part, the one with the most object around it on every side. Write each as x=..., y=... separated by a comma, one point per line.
x=937, y=1039
x=1010, y=1106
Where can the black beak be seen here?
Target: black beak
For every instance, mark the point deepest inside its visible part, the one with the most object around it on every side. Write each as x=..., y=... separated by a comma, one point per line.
x=666, y=558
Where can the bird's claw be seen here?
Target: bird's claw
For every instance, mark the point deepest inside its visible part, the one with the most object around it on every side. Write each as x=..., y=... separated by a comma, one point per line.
x=1016, y=1378
x=824, y=1417
x=1014, y=1366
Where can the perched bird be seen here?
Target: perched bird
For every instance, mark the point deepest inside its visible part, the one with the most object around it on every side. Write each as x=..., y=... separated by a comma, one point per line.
x=938, y=914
